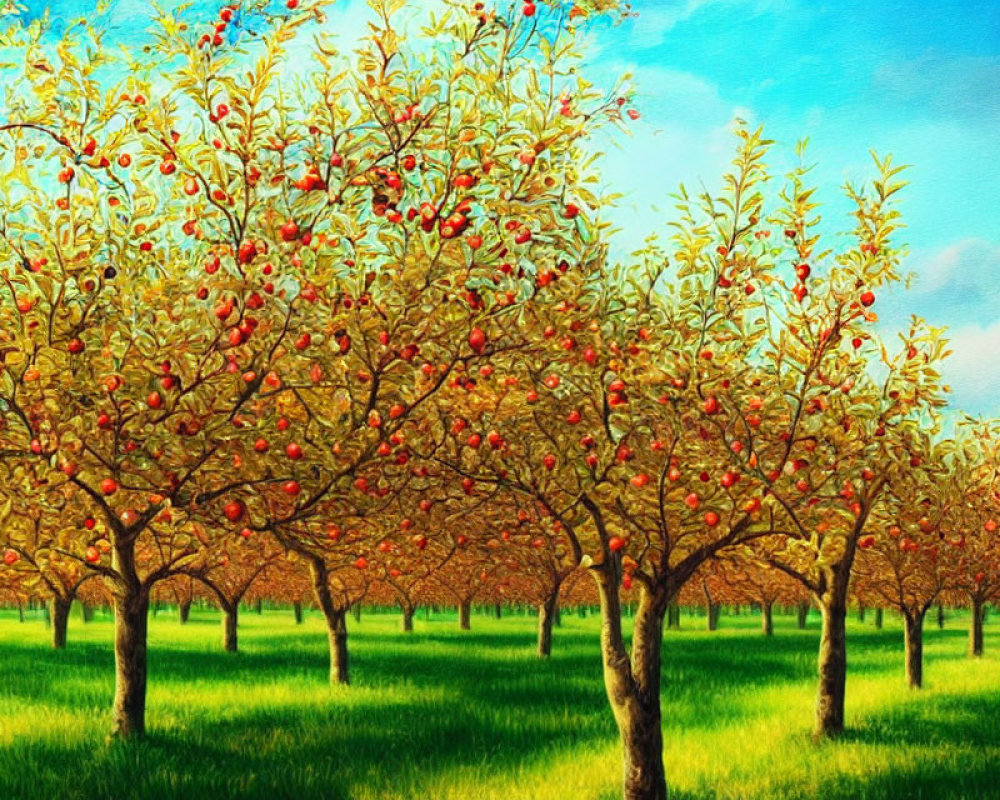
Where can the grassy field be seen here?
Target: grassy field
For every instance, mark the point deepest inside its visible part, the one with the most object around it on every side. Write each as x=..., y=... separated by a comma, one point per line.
x=446, y=715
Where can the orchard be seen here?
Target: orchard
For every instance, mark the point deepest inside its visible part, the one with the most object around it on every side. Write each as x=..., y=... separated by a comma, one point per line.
x=317, y=330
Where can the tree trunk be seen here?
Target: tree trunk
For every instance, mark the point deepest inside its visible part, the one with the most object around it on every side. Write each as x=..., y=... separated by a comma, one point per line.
x=547, y=610
x=802, y=615
x=297, y=611
x=184, y=611
x=357, y=612
x=861, y=613
x=878, y=618
x=914, y=649
x=20, y=613
x=940, y=616
x=674, y=616
x=464, y=611
x=832, y=669
x=336, y=621
x=408, y=618
x=259, y=607
x=59, y=614
x=86, y=613
x=634, y=689
x=496, y=610
x=131, y=620
x=976, y=628
x=230, y=616
x=767, y=619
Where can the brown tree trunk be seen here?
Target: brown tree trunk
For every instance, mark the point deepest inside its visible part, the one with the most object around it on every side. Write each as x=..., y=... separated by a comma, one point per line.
x=336, y=621
x=914, y=635
x=832, y=668
x=20, y=612
x=59, y=614
x=184, y=611
x=357, y=611
x=496, y=610
x=976, y=628
x=767, y=619
x=878, y=618
x=633, y=689
x=259, y=607
x=802, y=615
x=547, y=611
x=464, y=614
x=297, y=611
x=940, y=616
x=408, y=618
x=86, y=613
x=861, y=612
x=674, y=616
x=131, y=620
x=230, y=638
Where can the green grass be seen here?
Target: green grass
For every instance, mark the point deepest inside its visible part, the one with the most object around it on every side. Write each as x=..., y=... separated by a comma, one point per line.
x=446, y=715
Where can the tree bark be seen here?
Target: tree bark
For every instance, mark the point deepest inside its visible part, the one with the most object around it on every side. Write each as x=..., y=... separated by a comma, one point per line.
x=131, y=621
x=336, y=622
x=547, y=610
x=259, y=607
x=184, y=611
x=832, y=668
x=357, y=612
x=496, y=610
x=940, y=616
x=861, y=612
x=976, y=628
x=767, y=619
x=464, y=613
x=914, y=634
x=297, y=611
x=878, y=618
x=86, y=613
x=634, y=688
x=20, y=612
x=59, y=614
x=802, y=615
x=673, y=616
x=230, y=637
x=408, y=618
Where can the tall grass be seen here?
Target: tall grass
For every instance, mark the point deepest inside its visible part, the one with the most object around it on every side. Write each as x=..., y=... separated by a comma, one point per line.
x=445, y=715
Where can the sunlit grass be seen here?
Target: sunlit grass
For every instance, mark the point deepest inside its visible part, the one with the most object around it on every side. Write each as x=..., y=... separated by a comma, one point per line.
x=459, y=716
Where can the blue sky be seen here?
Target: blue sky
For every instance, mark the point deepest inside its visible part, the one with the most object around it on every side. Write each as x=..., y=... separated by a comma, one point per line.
x=918, y=78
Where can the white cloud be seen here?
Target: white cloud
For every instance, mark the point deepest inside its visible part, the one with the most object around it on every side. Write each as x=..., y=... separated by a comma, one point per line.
x=965, y=264
x=973, y=370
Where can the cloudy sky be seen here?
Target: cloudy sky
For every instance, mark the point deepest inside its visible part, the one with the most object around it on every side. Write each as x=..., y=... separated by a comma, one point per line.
x=918, y=78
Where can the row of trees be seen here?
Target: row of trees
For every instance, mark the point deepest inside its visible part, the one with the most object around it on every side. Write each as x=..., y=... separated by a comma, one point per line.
x=353, y=322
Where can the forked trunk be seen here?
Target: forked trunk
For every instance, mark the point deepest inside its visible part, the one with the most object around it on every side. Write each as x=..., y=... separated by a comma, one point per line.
x=914, y=648
x=464, y=615
x=131, y=620
x=767, y=619
x=336, y=621
x=230, y=618
x=976, y=628
x=633, y=688
x=59, y=613
x=832, y=668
